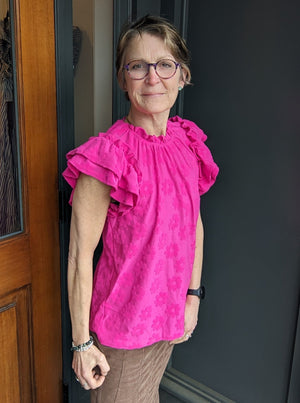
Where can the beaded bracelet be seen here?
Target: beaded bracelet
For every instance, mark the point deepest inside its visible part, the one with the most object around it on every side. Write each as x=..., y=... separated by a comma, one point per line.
x=83, y=347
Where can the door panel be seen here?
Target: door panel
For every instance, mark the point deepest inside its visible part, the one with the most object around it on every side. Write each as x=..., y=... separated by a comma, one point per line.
x=29, y=264
x=16, y=382
x=11, y=259
x=10, y=355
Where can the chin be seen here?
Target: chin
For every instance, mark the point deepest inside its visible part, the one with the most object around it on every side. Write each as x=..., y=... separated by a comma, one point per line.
x=154, y=108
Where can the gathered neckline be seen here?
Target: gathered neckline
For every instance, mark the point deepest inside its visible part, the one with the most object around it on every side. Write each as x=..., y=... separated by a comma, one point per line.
x=140, y=132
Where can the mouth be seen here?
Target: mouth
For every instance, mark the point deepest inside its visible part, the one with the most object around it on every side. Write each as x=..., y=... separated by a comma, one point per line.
x=153, y=94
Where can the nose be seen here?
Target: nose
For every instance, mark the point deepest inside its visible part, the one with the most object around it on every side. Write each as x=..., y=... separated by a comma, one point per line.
x=152, y=77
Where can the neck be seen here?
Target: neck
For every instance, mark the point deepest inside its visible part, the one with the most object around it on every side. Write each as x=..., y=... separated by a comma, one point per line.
x=154, y=125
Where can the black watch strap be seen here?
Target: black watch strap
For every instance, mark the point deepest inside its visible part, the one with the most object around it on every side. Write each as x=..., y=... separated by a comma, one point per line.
x=199, y=292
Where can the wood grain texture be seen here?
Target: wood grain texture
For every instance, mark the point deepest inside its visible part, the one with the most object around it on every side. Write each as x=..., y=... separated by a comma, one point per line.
x=16, y=381
x=9, y=380
x=30, y=264
x=37, y=39
x=14, y=264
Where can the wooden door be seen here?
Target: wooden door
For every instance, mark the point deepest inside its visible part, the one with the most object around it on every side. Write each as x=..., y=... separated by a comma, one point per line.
x=30, y=329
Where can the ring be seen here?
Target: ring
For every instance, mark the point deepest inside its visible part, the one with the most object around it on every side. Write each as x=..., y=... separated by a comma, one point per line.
x=76, y=379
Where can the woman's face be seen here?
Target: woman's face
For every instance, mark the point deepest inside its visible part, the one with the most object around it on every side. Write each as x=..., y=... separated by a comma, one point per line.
x=152, y=94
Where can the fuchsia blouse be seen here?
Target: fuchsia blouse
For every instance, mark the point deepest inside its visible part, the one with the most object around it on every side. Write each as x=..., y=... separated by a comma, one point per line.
x=143, y=274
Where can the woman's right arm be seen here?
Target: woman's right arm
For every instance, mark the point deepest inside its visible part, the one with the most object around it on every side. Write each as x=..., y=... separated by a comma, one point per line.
x=89, y=210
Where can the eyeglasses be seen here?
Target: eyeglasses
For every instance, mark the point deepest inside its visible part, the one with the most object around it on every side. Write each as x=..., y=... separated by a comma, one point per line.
x=139, y=69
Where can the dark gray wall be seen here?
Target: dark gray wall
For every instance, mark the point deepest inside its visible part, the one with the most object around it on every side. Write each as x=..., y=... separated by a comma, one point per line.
x=245, y=67
x=246, y=97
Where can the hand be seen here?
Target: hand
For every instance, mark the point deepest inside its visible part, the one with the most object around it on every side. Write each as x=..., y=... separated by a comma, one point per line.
x=190, y=318
x=90, y=367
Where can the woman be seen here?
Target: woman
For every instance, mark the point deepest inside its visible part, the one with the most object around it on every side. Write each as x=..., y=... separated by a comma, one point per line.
x=139, y=186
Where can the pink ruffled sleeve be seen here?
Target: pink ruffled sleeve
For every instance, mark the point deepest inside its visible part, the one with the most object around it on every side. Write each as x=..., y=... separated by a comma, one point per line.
x=110, y=163
x=208, y=169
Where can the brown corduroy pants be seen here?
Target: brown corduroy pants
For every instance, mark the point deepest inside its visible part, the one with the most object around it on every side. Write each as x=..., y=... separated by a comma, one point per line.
x=134, y=375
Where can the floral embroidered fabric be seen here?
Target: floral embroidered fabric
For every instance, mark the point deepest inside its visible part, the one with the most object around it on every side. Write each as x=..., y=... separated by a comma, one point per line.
x=144, y=271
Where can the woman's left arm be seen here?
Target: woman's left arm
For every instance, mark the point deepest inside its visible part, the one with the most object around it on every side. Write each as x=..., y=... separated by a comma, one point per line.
x=192, y=301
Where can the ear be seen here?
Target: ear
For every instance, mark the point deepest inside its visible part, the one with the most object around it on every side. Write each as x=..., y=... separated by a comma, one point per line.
x=182, y=78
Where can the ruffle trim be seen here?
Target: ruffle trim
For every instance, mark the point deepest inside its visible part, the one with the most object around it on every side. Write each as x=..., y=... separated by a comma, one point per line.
x=111, y=163
x=140, y=132
x=208, y=169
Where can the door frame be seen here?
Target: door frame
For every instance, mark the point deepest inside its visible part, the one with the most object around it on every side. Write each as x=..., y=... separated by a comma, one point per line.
x=29, y=265
x=37, y=118
x=63, y=11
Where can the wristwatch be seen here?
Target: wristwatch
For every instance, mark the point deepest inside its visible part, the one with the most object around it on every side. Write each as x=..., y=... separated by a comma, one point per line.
x=199, y=292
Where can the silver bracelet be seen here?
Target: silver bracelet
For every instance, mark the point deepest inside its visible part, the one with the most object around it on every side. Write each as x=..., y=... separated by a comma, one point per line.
x=83, y=347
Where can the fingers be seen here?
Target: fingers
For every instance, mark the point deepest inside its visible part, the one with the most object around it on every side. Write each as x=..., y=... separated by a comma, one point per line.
x=103, y=365
x=83, y=384
x=90, y=382
x=90, y=368
x=185, y=337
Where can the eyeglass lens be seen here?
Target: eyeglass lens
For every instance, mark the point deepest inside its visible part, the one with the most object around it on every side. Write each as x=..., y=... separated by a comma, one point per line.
x=138, y=69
